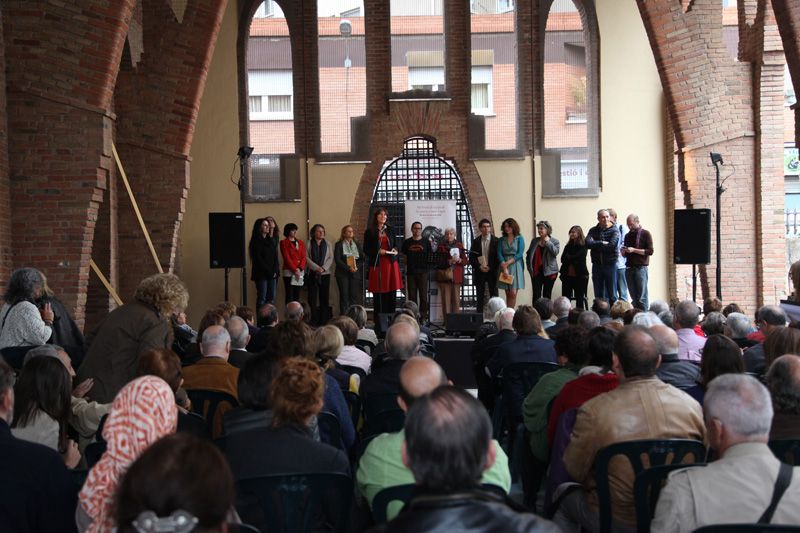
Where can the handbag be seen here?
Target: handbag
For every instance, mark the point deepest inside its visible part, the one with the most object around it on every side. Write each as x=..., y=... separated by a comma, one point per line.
x=444, y=274
x=508, y=279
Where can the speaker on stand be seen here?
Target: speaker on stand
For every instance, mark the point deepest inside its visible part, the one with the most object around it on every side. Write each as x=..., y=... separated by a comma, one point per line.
x=692, y=240
x=226, y=242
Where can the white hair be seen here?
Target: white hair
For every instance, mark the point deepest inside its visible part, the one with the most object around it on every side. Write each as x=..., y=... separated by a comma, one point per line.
x=561, y=306
x=647, y=319
x=739, y=325
x=214, y=337
x=491, y=308
x=238, y=330
x=659, y=306
x=504, y=318
x=741, y=403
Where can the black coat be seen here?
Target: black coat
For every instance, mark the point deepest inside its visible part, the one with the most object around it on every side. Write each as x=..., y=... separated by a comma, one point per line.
x=372, y=244
x=575, y=255
x=476, y=251
x=264, y=254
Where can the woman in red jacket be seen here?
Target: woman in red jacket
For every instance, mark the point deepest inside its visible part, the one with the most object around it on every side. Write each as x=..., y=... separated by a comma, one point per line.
x=293, y=252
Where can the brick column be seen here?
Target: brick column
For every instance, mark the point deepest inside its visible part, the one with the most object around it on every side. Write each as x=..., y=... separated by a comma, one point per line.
x=5, y=199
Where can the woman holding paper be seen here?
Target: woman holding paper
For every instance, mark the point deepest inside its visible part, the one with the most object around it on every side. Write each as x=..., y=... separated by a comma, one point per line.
x=511, y=253
x=348, y=256
x=450, y=272
x=293, y=252
x=384, y=272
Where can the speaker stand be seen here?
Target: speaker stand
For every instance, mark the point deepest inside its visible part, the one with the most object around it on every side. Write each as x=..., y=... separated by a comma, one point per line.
x=694, y=283
x=227, y=271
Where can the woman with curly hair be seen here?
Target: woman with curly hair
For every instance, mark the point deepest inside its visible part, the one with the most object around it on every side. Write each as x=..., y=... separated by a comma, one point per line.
x=22, y=323
x=129, y=331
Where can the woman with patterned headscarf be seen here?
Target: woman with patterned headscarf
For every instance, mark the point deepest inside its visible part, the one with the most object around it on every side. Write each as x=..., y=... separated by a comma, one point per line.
x=143, y=412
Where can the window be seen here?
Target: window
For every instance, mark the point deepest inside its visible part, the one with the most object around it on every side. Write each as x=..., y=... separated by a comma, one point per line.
x=789, y=98
x=270, y=94
x=426, y=78
x=481, y=95
x=269, y=9
x=418, y=46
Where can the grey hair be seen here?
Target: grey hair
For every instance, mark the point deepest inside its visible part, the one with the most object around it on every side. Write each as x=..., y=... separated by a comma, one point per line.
x=687, y=313
x=450, y=229
x=740, y=325
x=45, y=350
x=633, y=216
x=783, y=380
x=358, y=314
x=589, y=319
x=659, y=306
x=504, y=318
x=215, y=337
x=741, y=403
x=491, y=308
x=238, y=330
x=23, y=285
x=666, y=317
x=647, y=319
x=561, y=306
x=713, y=324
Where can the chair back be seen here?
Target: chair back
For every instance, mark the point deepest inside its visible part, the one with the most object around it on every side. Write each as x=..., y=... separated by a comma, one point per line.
x=365, y=346
x=211, y=405
x=658, y=451
x=330, y=429
x=517, y=380
x=296, y=503
x=786, y=450
x=353, y=401
x=646, y=489
x=373, y=404
x=388, y=421
x=381, y=501
x=747, y=528
x=360, y=372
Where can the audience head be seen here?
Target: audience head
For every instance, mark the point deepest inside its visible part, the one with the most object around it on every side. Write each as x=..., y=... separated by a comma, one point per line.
x=291, y=338
x=142, y=412
x=491, y=308
x=163, y=363
x=294, y=311
x=358, y=314
x=783, y=380
x=737, y=409
x=781, y=340
x=6, y=392
x=635, y=353
x=227, y=309
x=212, y=317
x=504, y=319
x=267, y=315
x=239, y=332
x=666, y=318
x=25, y=285
x=44, y=384
x=413, y=308
x=770, y=316
x=687, y=314
x=601, y=346
x=572, y=317
x=448, y=440
x=297, y=392
x=165, y=292
x=731, y=308
x=619, y=308
x=348, y=328
x=216, y=341
x=246, y=314
x=614, y=326
x=712, y=304
x=720, y=356
x=738, y=325
x=571, y=346
x=713, y=324
x=658, y=306
x=306, y=312
x=588, y=320
x=402, y=341
x=666, y=339
x=328, y=345
x=561, y=307
x=51, y=350
x=419, y=376
x=601, y=307
x=646, y=319
x=178, y=476
x=527, y=321
x=255, y=382
x=543, y=306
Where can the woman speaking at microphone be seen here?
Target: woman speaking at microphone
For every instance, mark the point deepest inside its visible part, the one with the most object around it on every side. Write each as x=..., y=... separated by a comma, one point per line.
x=384, y=271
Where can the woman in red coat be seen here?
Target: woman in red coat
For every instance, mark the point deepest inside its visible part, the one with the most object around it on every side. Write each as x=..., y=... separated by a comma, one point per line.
x=293, y=252
x=384, y=271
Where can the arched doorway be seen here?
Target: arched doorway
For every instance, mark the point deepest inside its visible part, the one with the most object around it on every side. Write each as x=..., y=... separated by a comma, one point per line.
x=420, y=173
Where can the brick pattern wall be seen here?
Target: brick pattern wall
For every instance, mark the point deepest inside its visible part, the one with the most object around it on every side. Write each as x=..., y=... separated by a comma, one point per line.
x=5, y=200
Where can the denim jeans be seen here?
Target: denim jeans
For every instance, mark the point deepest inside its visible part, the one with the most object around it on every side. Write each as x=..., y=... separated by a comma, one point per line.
x=265, y=291
x=637, y=283
x=622, y=285
x=604, y=280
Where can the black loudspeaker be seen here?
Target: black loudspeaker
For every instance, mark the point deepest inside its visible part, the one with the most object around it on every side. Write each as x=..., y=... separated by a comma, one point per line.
x=226, y=240
x=692, y=236
x=457, y=324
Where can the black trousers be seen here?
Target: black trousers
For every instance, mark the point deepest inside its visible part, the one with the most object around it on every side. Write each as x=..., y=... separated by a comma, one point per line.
x=292, y=292
x=482, y=279
x=542, y=286
x=575, y=289
x=319, y=289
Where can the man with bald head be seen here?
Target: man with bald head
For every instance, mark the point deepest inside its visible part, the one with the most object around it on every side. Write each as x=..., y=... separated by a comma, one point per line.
x=783, y=380
x=213, y=372
x=675, y=371
x=402, y=343
x=641, y=407
x=294, y=311
x=382, y=466
x=485, y=349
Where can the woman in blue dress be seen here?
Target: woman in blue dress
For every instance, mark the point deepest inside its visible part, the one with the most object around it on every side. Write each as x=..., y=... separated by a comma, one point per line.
x=511, y=254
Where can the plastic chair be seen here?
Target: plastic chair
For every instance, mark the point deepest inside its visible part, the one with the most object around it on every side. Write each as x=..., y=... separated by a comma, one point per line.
x=388, y=421
x=296, y=503
x=373, y=404
x=646, y=489
x=658, y=452
x=381, y=501
x=362, y=374
x=211, y=405
x=786, y=450
x=330, y=429
x=353, y=401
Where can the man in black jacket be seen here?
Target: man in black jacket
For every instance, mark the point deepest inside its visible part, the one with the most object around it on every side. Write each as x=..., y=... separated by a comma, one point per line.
x=602, y=240
x=484, y=261
x=448, y=445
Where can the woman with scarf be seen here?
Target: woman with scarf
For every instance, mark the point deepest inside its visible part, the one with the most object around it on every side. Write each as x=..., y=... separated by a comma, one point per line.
x=348, y=256
x=319, y=260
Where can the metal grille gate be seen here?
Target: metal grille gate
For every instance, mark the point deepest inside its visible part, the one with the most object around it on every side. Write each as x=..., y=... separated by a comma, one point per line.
x=421, y=174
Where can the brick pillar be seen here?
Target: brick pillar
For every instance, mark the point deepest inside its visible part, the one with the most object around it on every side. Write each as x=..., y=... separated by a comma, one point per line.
x=62, y=60
x=157, y=105
x=5, y=200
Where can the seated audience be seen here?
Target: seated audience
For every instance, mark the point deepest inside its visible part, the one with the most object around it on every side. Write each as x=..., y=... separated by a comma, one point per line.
x=328, y=342
x=226, y=309
x=630, y=316
x=768, y=319
x=178, y=479
x=561, y=309
x=483, y=350
x=589, y=320
x=731, y=308
x=130, y=330
x=448, y=447
x=240, y=337
x=658, y=307
x=738, y=327
x=425, y=334
x=66, y=332
x=213, y=372
x=686, y=318
x=783, y=380
x=212, y=317
x=530, y=346
x=712, y=304
x=359, y=315
x=22, y=323
x=268, y=316
x=255, y=396
x=780, y=341
x=42, y=407
x=676, y=372
x=713, y=324
x=246, y=314
x=666, y=318
x=738, y=487
x=645, y=319
x=544, y=306
x=287, y=447
x=402, y=343
x=720, y=356
x=37, y=493
x=642, y=407
x=594, y=379
x=295, y=312
x=143, y=412
x=382, y=466
x=350, y=356
x=619, y=308
x=602, y=308
x=489, y=326
x=571, y=347
x=184, y=337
